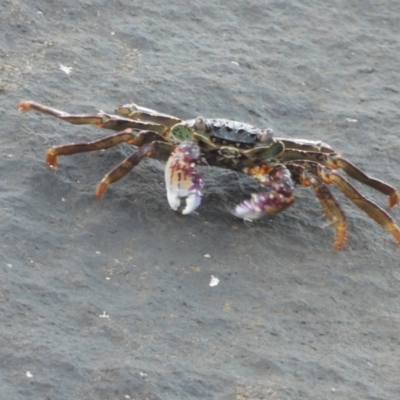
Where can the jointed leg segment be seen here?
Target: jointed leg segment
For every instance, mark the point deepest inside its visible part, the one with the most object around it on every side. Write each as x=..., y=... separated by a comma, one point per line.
x=101, y=119
x=331, y=207
x=334, y=161
x=130, y=136
x=159, y=150
x=329, y=176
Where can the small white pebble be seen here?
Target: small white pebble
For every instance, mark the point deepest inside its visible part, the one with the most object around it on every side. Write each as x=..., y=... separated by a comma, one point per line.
x=9, y=265
x=214, y=281
x=62, y=199
x=143, y=374
x=207, y=256
x=97, y=252
x=108, y=278
x=29, y=374
x=104, y=315
x=351, y=120
x=65, y=69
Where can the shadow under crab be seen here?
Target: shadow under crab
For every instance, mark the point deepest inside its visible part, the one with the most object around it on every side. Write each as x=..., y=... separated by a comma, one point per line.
x=278, y=164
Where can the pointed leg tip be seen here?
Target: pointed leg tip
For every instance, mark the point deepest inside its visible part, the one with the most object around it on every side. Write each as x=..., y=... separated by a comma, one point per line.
x=339, y=244
x=340, y=238
x=24, y=106
x=51, y=158
x=394, y=199
x=101, y=188
x=396, y=233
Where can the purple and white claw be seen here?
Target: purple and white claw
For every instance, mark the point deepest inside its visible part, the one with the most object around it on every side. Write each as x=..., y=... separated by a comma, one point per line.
x=181, y=178
x=261, y=204
x=278, y=197
x=252, y=208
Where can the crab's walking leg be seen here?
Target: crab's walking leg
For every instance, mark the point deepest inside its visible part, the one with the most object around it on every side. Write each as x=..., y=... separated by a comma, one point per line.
x=335, y=162
x=133, y=111
x=330, y=176
x=101, y=119
x=354, y=172
x=127, y=136
x=331, y=207
x=278, y=181
x=159, y=150
x=182, y=179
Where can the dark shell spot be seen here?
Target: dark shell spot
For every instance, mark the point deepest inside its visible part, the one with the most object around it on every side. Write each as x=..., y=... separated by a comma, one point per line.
x=228, y=128
x=240, y=130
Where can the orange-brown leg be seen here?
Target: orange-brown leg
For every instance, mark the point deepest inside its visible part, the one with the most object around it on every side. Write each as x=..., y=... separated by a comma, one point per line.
x=127, y=136
x=356, y=173
x=134, y=111
x=329, y=204
x=159, y=150
x=375, y=212
x=334, y=161
x=101, y=119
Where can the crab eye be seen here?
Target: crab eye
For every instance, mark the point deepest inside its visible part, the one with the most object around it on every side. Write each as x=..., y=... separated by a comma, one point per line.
x=200, y=124
x=266, y=135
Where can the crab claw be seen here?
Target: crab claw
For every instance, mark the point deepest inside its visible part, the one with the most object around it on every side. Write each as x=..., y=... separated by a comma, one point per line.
x=252, y=208
x=261, y=204
x=181, y=178
x=279, y=196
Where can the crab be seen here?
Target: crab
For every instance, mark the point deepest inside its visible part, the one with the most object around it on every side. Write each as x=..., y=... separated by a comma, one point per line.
x=278, y=164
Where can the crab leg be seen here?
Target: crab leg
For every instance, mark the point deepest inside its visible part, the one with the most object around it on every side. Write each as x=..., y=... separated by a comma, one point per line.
x=330, y=176
x=335, y=162
x=306, y=145
x=331, y=207
x=133, y=111
x=159, y=150
x=127, y=136
x=101, y=119
x=354, y=172
x=181, y=178
x=279, y=196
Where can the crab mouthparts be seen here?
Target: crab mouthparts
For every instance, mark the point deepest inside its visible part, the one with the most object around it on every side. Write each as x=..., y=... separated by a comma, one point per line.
x=182, y=180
